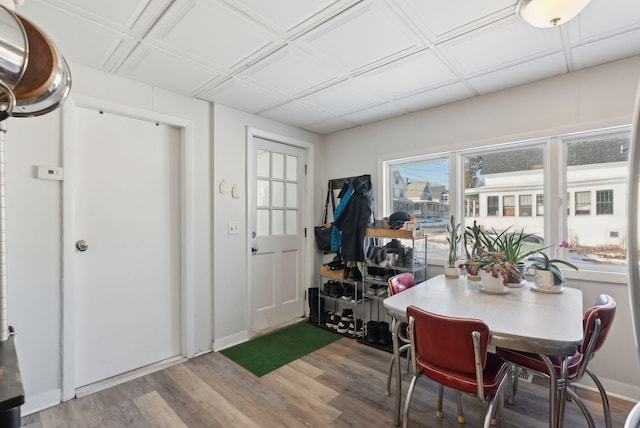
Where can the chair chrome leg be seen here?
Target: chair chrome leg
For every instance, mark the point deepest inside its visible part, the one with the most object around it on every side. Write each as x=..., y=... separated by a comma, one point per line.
x=582, y=407
x=459, y=403
x=387, y=392
x=603, y=397
x=440, y=394
x=407, y=402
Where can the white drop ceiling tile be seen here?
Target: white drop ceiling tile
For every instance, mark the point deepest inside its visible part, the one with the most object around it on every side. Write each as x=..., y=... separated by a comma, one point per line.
x=502, y=44
x=209, y=32
x=291, y=72
x=419, y=71
x=602, y=18
x=241, y=95
x=161, y=68
x=330, y=125
x=441, y=17
x=435, y=97
x=363, y=36
x=285, y=15
x=342, y=98
x=295, y=114
x=375, y=114
x=93, y=48
x=606, y=50
x=520, y=74
x=121, y=12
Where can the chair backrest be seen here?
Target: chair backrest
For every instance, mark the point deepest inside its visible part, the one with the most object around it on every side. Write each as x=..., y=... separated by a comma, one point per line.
x=401, y=282
x=604, y=310
x=446, y=341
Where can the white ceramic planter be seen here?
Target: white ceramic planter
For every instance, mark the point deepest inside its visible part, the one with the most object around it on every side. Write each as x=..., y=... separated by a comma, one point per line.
x=544, y=280
x=491, y=283
x=451, y=272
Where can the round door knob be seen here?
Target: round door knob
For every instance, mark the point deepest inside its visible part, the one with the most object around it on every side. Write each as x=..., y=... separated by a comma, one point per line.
x=82, y=245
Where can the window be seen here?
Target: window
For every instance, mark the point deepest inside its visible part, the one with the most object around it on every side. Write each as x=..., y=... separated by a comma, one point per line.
x=499, y=184
x=423, y=191
x=524, y=207
x=492, y=206
x=509, y=205
x=604, y=202
x=596, y=171
x=539, y=204
x=583, y=203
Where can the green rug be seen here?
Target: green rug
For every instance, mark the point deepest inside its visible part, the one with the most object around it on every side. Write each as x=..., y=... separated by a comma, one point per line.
x=266, y=353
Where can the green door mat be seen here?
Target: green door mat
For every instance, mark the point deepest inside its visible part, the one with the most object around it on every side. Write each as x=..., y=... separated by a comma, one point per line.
x=266, y=353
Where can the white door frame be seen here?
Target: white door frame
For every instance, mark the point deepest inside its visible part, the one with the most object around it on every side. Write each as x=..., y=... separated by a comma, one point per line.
x=70, y=140
x=307, y=202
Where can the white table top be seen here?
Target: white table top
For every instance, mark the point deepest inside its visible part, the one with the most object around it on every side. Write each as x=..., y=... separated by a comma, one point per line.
x=523, y=320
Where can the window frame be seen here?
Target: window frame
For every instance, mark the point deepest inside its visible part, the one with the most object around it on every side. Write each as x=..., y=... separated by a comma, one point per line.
x=554, y=149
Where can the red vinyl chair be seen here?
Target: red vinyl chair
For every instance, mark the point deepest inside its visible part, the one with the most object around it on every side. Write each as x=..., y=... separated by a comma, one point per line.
x=596, y=323
x=453, y=352
x=398, y=284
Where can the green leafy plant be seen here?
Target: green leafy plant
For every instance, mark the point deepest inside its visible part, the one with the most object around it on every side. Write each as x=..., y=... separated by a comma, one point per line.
x=472, y=245
x=543, y=262
x=509, y=244
x=454, y=236
x=495, y=263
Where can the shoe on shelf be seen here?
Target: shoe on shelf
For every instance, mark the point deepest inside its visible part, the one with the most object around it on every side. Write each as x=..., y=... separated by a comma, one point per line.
x=343, y=327
x=347, y=272
x=384, y=334
x=373, y=289
x=382, y=291
x=372, y=332
x=356, y=275
x=347, y=315
x=357, y=296
x=333, y=321
x=402, y=257
x=336, y=289
x=371, y=272
x=356, y=328
x=347, y=292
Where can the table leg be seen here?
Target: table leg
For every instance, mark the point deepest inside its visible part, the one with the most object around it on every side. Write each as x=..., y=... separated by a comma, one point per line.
x=396, y=353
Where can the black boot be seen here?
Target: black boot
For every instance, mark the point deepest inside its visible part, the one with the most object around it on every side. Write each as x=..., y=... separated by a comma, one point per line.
x=314, y=315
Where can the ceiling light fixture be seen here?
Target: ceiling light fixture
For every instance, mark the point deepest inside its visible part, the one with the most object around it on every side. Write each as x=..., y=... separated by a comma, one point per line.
x=549, y=13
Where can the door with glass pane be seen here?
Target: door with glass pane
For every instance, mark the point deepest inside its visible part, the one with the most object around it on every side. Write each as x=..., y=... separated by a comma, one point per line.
x=275, y=210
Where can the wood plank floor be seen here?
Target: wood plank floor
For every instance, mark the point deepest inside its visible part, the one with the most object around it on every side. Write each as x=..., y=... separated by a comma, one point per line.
x=340, y=385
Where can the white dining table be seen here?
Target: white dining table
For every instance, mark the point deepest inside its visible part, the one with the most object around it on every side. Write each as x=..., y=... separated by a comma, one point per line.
x=523, y=320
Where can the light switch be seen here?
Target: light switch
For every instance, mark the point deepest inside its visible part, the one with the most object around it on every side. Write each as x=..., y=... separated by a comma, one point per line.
x=233, y=228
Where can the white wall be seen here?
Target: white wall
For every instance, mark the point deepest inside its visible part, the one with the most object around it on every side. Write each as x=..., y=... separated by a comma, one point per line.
x=34, y=226
x=230, y=252
x=595, y=98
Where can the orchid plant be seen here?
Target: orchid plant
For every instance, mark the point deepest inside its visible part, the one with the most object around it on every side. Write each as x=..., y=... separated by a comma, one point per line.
x=543, y=262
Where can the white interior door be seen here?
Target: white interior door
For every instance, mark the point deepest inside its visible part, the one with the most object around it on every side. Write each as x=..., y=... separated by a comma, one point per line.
x=127, y=209
x=276, y=213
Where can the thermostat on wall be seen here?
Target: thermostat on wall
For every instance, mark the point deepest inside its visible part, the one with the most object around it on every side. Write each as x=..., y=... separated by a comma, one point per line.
x=50, y=172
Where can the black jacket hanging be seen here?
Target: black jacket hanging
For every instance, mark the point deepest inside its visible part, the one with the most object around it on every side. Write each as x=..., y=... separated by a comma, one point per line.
x=355, y=217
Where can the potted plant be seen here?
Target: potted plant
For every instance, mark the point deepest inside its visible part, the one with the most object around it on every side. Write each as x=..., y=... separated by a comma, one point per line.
x=473, y=238
x=494, y=268
x=452, y=271
x=510, y=244
x=547, y=272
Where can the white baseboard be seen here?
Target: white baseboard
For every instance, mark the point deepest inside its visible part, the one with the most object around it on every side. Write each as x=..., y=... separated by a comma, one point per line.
x=41, y=401
x=615, y=389
x=229, y=341
x=124, y=377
